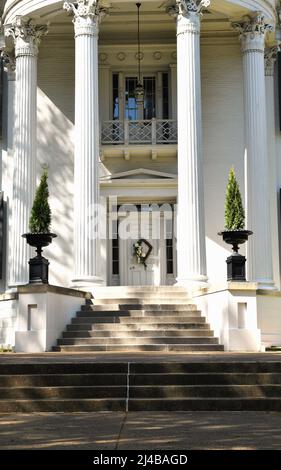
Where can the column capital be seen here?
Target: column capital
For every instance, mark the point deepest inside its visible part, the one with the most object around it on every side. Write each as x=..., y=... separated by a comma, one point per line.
x=9, y=62
x=26, y=35
x=252, y=31
x=187, y=13
x=87, y=14
x=270, y=57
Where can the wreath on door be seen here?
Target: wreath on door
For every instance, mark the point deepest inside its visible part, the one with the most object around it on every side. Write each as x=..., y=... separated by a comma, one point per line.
x=140, y=253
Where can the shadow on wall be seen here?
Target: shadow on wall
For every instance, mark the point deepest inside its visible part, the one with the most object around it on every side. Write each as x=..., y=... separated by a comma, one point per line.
x=55, y=149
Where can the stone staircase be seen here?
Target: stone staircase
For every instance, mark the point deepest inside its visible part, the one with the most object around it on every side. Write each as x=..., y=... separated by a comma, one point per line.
x=138, y=319
x=204, y=385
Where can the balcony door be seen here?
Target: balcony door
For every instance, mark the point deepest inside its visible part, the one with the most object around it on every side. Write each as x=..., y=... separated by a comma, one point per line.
x=130, y=108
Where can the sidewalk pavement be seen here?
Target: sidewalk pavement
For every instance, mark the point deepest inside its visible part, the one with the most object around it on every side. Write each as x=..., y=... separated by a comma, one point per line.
x=145, y=430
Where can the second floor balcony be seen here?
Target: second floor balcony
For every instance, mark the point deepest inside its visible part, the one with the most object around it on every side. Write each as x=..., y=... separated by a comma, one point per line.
x=147, y=132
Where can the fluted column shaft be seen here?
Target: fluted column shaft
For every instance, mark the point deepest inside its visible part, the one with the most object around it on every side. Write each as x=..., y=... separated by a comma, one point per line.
x=269, y=62
x=26, y=37
x=191, y=251
x=86, y=182
x=252, y=36
x=9, y=62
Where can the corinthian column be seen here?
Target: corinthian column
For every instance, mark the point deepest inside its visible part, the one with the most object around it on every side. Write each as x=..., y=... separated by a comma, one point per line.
x=9, y=63
x=87, y=15
x=252, y=35
x=270, y=57
x=191, y=251
x=26, y=37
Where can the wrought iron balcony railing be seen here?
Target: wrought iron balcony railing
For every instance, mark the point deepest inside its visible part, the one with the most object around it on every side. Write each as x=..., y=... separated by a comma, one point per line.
x=154, y=131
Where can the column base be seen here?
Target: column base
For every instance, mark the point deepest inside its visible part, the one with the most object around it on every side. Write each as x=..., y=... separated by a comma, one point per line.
x=86, y=283
x=266, y=285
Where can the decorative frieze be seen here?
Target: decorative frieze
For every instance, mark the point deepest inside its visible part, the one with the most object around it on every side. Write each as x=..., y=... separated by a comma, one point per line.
x=27, y=36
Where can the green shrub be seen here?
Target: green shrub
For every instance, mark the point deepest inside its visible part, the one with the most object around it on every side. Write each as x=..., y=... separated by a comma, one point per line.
x=40, y=218
x=234, y=210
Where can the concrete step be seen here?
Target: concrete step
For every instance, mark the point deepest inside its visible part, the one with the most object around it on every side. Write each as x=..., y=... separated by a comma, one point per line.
x=63, y=380
x=138, y=348
x=137, y=326
x=137, y=313
x=205, y=404
x=140, y=404
x=142, y=341
x=143, y=320
x=138, y=291
x=207, y=367
x=139, y=306
x=31, y=393
x=116, y=391
x=62, y=405
x=143, y=300
x=135, y=333
x=141, y=380
x=145, y=368
x=73, y=367
x=211, y=378
x=205, y=391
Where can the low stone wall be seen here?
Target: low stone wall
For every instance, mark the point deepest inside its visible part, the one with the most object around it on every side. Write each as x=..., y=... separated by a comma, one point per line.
x=8, y=319
x=43, y=313
x=269, y=317
x=232, y=314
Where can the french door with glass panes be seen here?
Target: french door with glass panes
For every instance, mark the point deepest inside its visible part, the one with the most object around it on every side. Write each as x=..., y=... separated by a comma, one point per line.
x=125, y=106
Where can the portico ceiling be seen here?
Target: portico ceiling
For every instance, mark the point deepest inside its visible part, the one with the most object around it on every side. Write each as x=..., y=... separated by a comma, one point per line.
x=156, y=25
x=120, y=25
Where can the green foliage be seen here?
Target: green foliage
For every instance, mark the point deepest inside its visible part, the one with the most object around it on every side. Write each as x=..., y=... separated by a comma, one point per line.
x=234, y=210
x=40, y=219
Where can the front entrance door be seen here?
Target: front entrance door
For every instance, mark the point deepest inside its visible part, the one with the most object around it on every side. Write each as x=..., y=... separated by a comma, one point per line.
x=154, y=228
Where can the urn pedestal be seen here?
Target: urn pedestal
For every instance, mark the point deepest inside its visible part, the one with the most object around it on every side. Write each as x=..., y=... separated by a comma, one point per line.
x=39, y=266
x=236, y=263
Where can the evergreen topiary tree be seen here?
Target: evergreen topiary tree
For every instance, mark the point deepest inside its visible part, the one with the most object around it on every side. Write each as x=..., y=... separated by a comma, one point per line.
x=40, y=219
x=234, y=210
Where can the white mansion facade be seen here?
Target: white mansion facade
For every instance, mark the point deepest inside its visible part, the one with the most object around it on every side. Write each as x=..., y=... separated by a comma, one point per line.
x=211, y=102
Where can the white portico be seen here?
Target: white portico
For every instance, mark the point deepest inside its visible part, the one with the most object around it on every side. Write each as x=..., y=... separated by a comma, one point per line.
x=121, y=171
x=171, y=128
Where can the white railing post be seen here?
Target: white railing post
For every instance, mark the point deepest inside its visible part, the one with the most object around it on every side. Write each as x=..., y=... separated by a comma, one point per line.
x=153, y=131
x=126, y=132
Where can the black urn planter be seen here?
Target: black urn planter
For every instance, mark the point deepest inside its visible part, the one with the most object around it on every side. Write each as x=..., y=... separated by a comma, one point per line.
x=235, y=262
x=39, y=266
